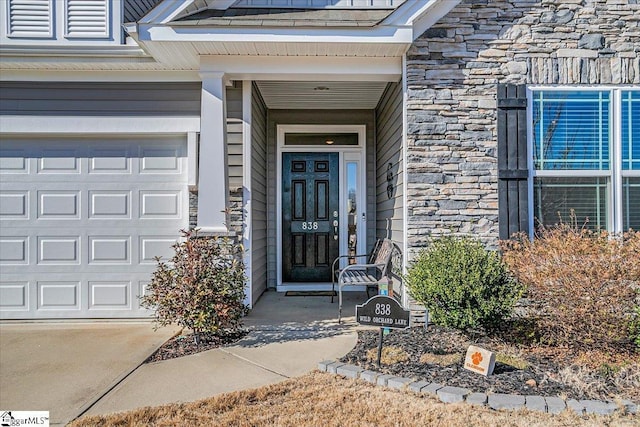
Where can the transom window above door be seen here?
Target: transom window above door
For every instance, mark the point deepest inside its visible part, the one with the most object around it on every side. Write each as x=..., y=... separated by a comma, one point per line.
x=585, y=146
x=320, y=139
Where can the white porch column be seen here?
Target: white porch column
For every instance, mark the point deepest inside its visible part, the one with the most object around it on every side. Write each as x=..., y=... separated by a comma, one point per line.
x=213, y=179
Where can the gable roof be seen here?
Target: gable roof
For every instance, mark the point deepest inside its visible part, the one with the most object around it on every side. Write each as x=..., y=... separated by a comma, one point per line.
x=418, y=15
x=179, y=33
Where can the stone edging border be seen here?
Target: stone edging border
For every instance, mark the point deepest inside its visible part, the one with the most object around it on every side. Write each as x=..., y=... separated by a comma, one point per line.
x=448, y=394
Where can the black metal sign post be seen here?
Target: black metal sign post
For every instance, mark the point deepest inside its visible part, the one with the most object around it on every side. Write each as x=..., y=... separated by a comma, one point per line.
x=385, y=312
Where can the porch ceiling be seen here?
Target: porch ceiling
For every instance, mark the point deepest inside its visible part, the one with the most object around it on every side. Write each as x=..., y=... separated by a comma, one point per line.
x=321, y=95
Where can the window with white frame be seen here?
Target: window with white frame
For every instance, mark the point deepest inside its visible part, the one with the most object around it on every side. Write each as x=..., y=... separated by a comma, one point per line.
x=586, y=157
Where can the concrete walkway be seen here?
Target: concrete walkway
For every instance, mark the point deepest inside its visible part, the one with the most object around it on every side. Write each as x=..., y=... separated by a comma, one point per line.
x=288, y=337
x=71, y=369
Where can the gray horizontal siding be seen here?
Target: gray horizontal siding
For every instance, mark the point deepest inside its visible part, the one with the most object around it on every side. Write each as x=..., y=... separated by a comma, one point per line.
x=234, y=159
x=258, y=195
x=389, y=210
x=180, y=99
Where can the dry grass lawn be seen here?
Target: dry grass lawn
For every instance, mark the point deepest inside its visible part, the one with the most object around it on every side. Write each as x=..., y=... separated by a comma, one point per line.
x=324, y=400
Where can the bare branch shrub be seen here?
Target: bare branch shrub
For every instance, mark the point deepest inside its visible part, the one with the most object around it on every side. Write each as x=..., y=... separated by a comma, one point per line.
x=583, y=284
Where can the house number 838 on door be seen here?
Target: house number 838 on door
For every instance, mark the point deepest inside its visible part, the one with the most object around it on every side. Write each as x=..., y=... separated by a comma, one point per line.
x=309, y=225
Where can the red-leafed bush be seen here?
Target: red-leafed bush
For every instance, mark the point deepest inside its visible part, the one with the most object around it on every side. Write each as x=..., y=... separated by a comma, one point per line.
x=201, y=287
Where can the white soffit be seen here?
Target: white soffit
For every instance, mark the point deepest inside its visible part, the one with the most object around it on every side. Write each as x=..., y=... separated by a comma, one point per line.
x=321, y=95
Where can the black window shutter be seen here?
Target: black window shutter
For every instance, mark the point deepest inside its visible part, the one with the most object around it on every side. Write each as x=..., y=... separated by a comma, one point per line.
x=513, y=196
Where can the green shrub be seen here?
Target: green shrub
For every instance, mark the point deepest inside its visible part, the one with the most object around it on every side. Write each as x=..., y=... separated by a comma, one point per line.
x=462, y=284
x=201, y=287
x=582, y=284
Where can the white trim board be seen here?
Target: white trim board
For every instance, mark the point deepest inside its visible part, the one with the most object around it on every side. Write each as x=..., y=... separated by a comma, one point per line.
x=97, y=125
x=303, y=68
x=99, y=76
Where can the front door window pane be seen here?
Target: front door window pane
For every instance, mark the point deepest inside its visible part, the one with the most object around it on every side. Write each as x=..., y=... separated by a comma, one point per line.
x=352, y=210
x=571, y=130
x=562, y=199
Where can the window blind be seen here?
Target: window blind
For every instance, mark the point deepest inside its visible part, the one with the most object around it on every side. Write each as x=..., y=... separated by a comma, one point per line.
x=630, y=130
x=565, y=199
x=571, y=130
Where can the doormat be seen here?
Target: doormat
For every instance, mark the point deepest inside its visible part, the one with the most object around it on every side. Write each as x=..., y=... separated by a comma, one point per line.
x=310, y=294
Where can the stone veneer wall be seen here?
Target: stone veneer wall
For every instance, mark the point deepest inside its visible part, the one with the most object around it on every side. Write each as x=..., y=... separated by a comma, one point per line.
x=235, y=211
x=452, y=72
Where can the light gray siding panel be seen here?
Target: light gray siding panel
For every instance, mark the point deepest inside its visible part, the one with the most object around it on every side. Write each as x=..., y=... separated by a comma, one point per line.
x=315, y=117
x=101, y=99
x=234, y=138
x=234, y=159
x=258, y=194
x=389, y=210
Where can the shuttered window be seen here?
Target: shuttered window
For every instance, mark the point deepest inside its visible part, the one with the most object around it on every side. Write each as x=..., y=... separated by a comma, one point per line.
x=87, y=18
x=586, y=157
x=30, y=18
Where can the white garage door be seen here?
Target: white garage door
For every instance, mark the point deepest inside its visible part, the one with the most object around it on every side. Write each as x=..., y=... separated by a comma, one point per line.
x=82, y=220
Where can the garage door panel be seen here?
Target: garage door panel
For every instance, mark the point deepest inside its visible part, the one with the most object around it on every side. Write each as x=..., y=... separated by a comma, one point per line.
x=156, y=246
x=109, y=250
x=14, y=162
x=59, y=161
x=160, y=204
x=160, y=160
x=14, y=204
x=59, y=250
x=110, y=161
x=109, y=295
x=108, y=204
x=55, y=204
x=58, y=295
x=14, y=250
x=14, y=296
x=83, y=220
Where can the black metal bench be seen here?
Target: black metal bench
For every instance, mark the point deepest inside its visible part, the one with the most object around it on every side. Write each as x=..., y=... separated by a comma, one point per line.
x=385, y=257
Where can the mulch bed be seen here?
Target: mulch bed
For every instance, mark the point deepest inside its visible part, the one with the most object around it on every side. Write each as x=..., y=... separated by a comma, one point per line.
x=184, y=345
x=544, y=365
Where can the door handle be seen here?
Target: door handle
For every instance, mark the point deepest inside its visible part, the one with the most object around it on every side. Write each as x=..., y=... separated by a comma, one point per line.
x=335, y=229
